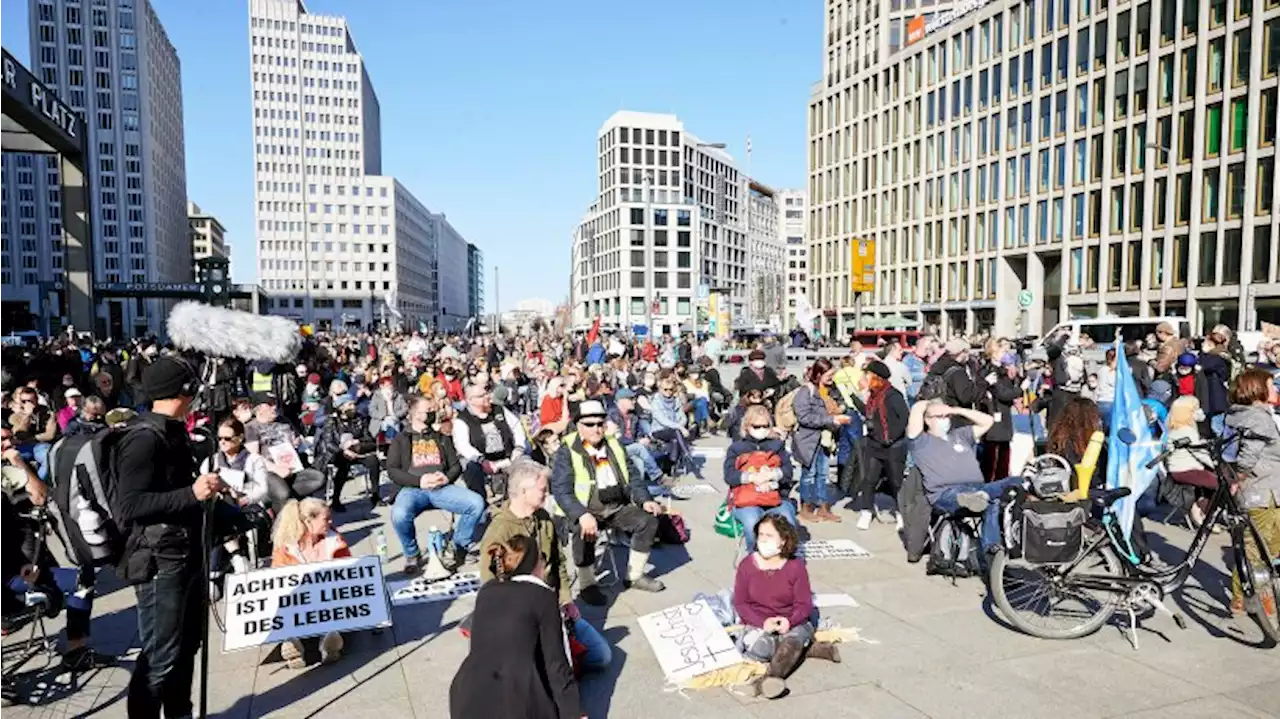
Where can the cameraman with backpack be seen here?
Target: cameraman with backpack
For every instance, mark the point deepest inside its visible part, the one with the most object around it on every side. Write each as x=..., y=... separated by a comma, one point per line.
x=952, y=380
x=158, y=507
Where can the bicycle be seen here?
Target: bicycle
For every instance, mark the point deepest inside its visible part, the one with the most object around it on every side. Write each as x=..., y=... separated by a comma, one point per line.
x=1107, y=576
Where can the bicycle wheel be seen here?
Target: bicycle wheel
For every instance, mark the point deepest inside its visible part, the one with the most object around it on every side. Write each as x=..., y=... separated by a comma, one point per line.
x=1042, y=601
x=1260, y=580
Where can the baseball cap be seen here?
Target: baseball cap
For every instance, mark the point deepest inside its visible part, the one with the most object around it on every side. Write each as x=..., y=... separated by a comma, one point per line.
x=72, y=392
x=624, y=393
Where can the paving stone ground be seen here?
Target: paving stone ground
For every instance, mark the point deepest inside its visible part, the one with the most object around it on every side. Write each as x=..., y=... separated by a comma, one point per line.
x=938, y=650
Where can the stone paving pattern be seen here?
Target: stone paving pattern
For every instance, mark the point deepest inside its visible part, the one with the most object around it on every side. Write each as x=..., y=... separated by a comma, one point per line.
x=940, y=651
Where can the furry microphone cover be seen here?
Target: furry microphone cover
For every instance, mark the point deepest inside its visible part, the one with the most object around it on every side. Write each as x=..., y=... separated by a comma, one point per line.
x=221, y=332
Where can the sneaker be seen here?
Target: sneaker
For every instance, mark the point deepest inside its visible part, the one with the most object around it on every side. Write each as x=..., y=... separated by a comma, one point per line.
x=412, y=566
x=975, y=502
x=898, y=523
x=864, y=520
x=239, y=564
x=331, y=648
x=645, y=584
x=291, y=653
x=594, y=596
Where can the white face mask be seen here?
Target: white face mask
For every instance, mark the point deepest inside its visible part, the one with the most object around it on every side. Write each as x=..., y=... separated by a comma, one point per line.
x=759, y=433
x=942, y=426
x=768, y=548
x=757, y=364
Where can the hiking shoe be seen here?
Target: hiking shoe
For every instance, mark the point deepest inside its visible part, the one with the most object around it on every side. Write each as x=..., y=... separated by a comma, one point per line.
x=825, y=650
x=291, y=653
x=773, y=687
x=594, y=596
x=331, y=648
x=645, y=584
x=412, y=566
x=975, y=502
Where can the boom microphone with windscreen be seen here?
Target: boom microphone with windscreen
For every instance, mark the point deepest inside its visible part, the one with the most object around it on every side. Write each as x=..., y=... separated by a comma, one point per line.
x=222, y=332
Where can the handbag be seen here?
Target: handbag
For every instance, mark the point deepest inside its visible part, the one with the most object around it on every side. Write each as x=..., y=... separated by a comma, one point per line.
x=672, y=529
x=726, y=524
x=748, y=495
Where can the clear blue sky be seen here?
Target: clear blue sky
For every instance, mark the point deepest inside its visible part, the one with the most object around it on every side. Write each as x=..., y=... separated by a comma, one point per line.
x=490, y=109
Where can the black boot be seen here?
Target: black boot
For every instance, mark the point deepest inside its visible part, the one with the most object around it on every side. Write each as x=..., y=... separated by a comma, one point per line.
x=785, y=660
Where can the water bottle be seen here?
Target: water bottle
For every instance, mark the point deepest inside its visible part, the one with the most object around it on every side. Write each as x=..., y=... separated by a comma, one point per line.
x=434, y=540
x=380, y=543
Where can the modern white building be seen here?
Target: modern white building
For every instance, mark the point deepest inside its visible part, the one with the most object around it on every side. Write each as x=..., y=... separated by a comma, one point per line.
x=766, y=253
x=668, y=217
x=791, y=230
x=338, y=243
x=1090, y=159
x=112, y=62
x=455, y=292
x=207, y=235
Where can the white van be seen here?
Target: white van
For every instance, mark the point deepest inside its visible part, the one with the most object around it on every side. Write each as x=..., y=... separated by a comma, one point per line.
x=1102, y=330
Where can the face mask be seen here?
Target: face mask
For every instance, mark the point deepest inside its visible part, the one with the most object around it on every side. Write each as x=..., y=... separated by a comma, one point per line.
x=768, y=548
x=759, y=434
x=757, y=364
x=942, y=426
x=1184, y=371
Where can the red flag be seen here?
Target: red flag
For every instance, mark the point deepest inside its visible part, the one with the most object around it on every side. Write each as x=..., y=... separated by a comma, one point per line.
x=594, y=332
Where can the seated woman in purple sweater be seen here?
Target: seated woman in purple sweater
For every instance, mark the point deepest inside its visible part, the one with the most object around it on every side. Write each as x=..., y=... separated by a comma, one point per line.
x=772, y=597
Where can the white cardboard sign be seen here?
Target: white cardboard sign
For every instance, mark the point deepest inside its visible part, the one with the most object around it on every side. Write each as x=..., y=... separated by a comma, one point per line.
x=305, y=600
x=819, y=549
x=413, y=591
x=688, y=640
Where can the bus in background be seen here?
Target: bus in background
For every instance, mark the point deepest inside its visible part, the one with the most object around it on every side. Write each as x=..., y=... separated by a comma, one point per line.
x=1097, y=335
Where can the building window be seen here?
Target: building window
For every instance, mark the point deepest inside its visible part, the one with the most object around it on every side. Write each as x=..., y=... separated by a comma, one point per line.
x=1261, y=254
x=1181, y=248
x=1209, y=212
x=1213, y=130
x=1235, y=190
x=1266, y=184
x=1232, y=254
x=1239, y=123
x=1208, y=258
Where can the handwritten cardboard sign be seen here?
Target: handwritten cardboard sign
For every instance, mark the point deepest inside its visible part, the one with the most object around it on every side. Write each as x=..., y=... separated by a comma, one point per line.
x=306, y=600
x=688, y=640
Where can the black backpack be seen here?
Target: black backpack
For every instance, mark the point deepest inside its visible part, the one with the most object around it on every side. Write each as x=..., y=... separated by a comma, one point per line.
x=935, y=386
x=954, y=550
x=82, y=471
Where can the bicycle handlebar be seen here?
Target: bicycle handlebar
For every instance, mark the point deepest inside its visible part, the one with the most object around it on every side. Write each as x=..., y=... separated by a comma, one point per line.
x=1215, y=446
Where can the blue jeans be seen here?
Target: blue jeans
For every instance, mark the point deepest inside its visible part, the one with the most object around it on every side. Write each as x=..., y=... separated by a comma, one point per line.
x=412, y=501
x=751, y=516
x=37, y=452
x=170, y=609
x=599, y=654
x=990, y=535
x=701, y=409
x=642, y=458
x=759, y=645
x=813, y=479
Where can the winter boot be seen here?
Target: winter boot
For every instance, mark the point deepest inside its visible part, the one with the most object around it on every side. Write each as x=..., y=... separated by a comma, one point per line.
x=785, y=659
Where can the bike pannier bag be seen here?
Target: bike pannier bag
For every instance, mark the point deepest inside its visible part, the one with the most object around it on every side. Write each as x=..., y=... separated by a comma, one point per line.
x=1052, y=532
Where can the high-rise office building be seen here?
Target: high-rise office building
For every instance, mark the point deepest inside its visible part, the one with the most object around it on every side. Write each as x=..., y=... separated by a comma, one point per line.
x=112, y=62
x=791, y=230
x=207, y=234
x=765, y=257
x=668, y=217
x=338, y=243
x=475, y=284
x=1020, y=164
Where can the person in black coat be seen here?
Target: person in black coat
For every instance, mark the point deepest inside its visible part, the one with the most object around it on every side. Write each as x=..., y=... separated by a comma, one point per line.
x=1000, y=398
x=884, y=453
x=960, y=387
x=519, y=666
x=758, y=375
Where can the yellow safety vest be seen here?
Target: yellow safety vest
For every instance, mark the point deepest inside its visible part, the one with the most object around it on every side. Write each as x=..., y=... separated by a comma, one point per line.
x=584, y=481
x=262, y=383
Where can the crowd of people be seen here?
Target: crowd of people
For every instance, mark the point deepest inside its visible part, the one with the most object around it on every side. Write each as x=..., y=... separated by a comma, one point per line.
x=540, y=448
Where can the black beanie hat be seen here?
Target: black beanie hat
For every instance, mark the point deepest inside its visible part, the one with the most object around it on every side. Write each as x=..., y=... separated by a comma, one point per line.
x=168, y=377
x=879, y=369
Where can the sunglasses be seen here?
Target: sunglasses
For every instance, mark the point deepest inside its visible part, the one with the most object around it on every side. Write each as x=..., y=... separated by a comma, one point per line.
x=759, y=426
x=592, y=425
x=228, y=438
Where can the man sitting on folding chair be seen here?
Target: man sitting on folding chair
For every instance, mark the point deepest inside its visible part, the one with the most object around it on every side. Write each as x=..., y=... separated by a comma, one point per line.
x=592, y=484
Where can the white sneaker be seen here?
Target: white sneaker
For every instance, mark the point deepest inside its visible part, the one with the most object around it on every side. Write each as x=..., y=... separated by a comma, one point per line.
x=975, y=502
x=331, y=648
x=897, y=520
x=864, y=520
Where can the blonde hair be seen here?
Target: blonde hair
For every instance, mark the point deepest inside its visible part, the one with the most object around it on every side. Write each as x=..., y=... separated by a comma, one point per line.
x=1182, y=413
x=755, y=414
x=291, y=524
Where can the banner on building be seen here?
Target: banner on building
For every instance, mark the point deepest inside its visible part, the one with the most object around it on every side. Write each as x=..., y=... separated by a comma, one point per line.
x=305, y=600
x=862, y=266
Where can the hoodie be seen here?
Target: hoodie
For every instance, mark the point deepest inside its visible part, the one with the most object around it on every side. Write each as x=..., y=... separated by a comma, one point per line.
x=1258, y=458
x=413, y=454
